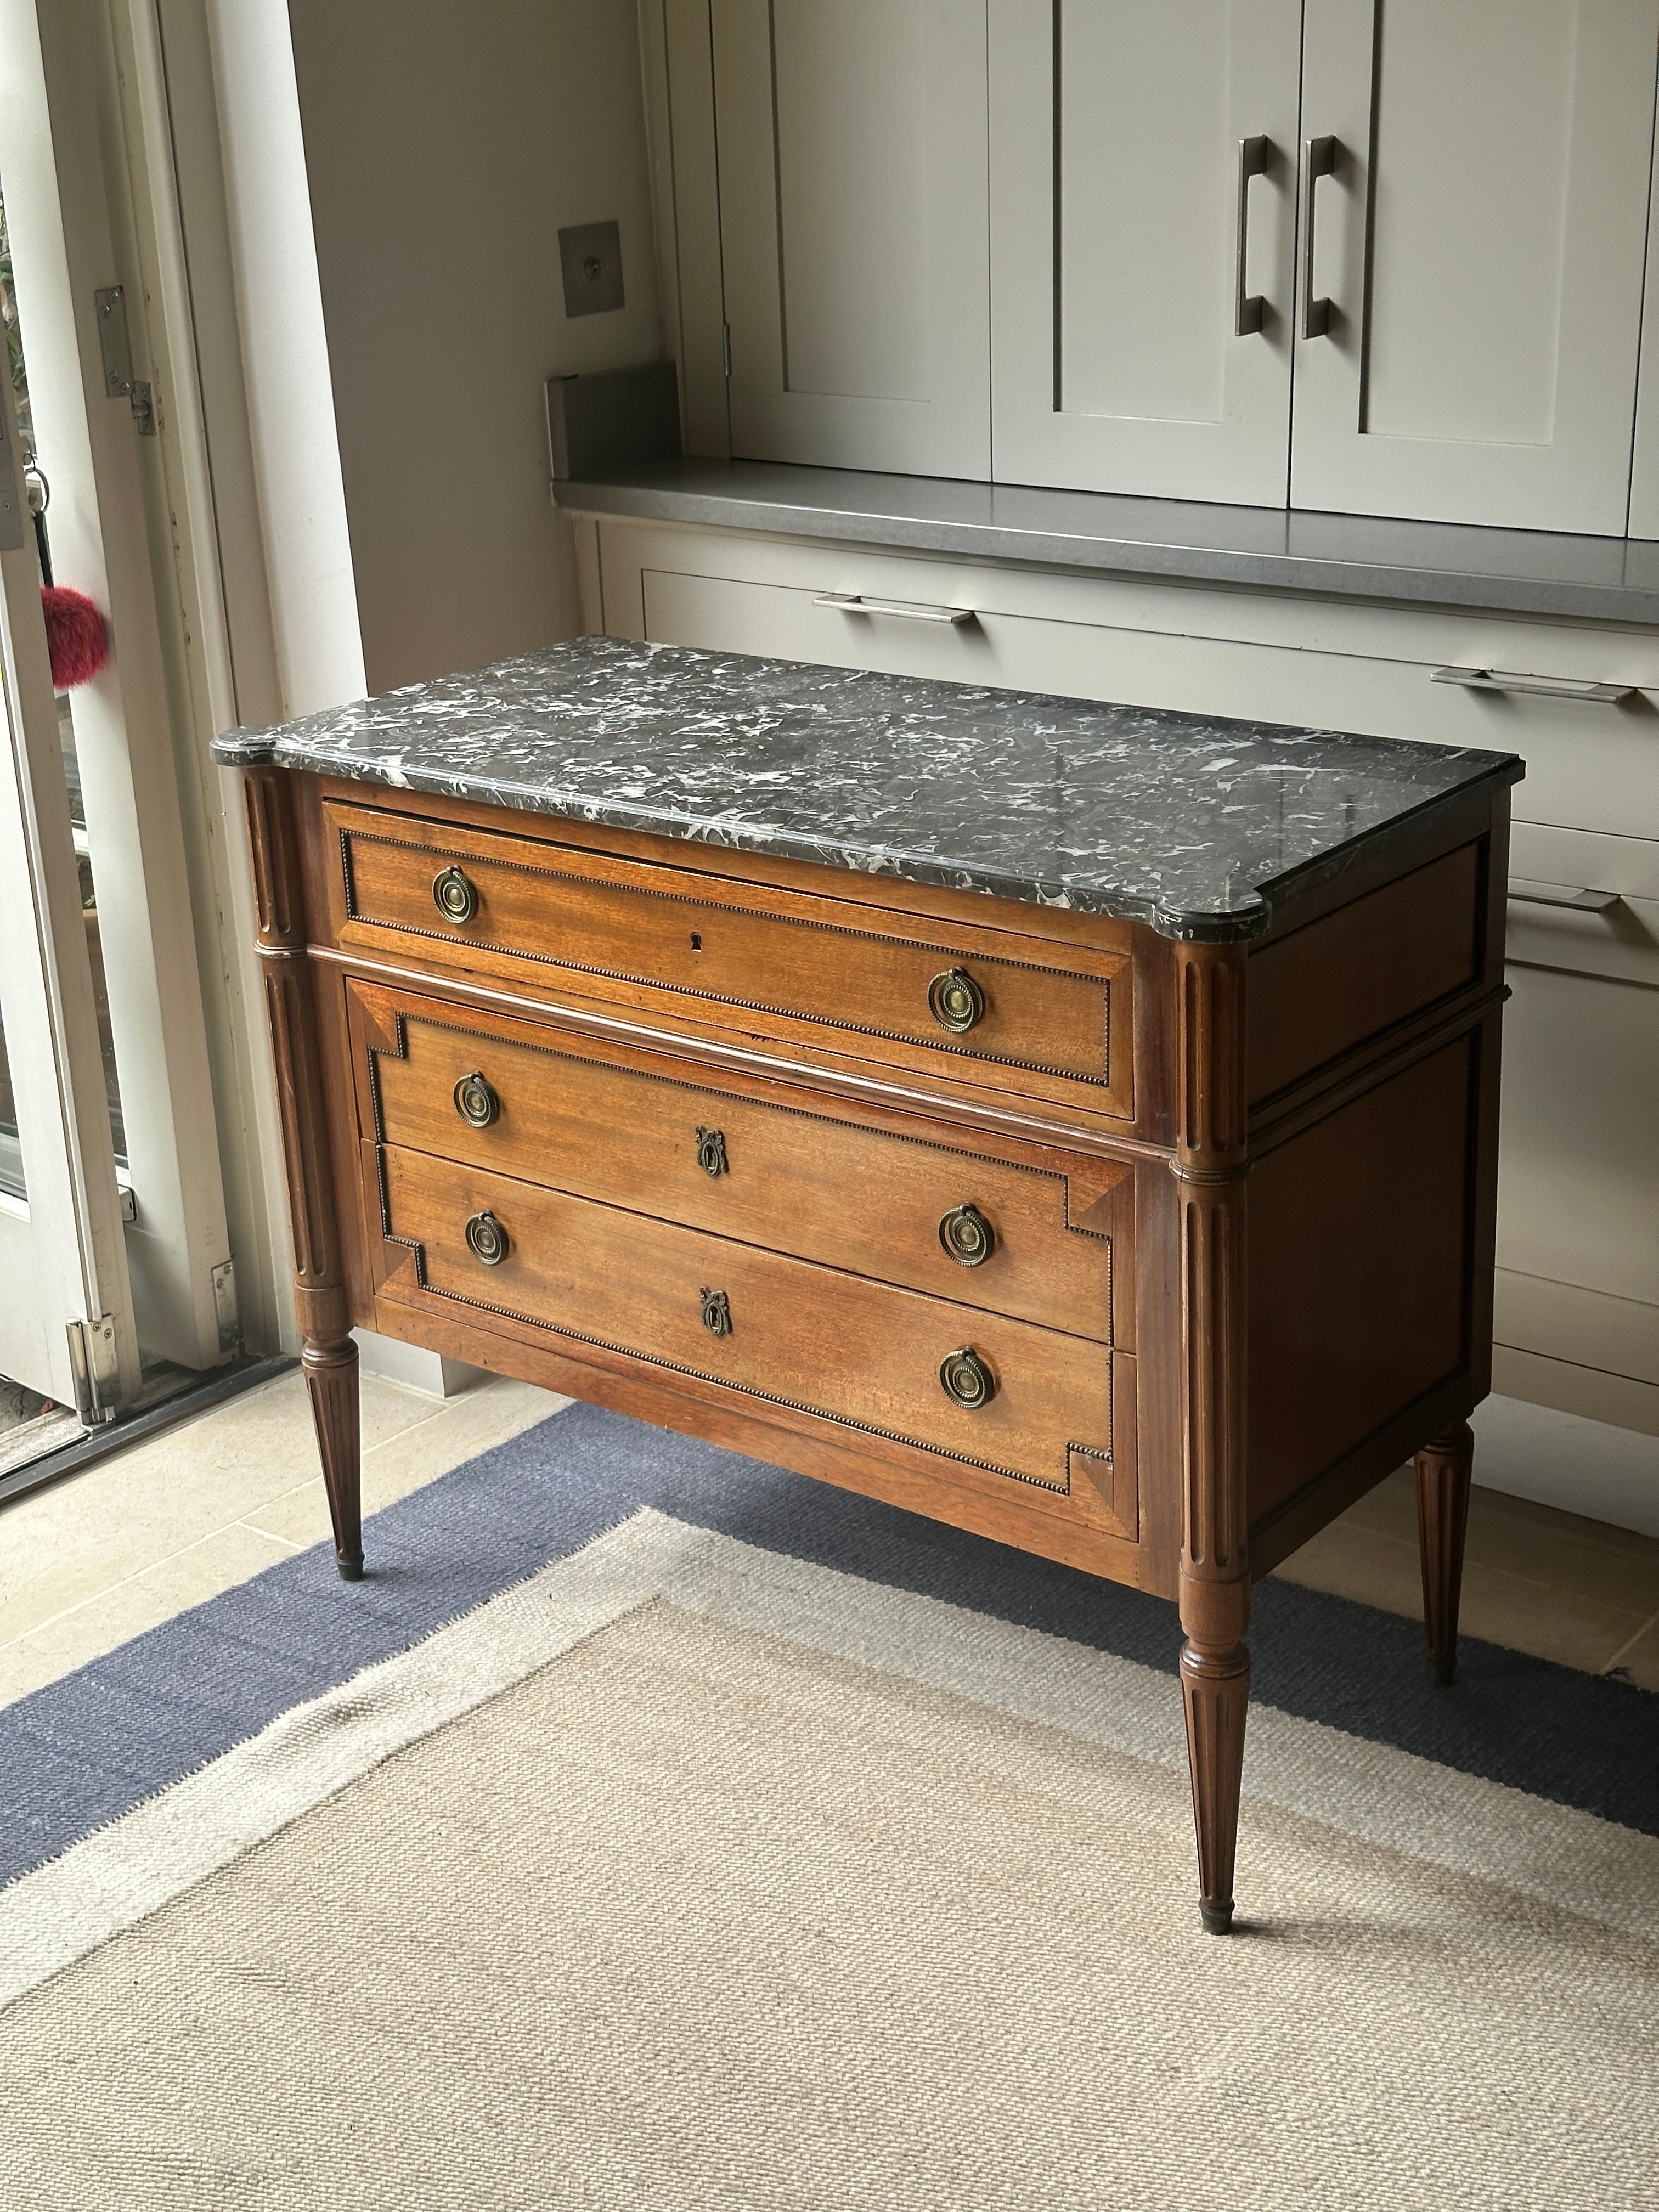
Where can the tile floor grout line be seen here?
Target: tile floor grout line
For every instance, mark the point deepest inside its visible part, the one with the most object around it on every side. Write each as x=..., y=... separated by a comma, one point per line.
x=1629, y=1644
x=151, y=1566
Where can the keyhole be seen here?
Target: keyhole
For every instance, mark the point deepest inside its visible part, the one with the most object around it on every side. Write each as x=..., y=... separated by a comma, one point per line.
x=697, y=942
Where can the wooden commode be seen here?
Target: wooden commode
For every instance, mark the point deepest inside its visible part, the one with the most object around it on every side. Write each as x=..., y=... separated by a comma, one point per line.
x=1076, y=1124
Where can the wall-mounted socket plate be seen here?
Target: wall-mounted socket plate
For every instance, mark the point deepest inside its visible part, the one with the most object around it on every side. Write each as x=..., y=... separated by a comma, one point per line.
x=590, y=255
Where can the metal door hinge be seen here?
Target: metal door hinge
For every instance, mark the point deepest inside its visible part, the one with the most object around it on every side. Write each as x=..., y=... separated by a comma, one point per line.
x=116, y=342
x=227, y=1310
x=726, y=348
x=96, y=1370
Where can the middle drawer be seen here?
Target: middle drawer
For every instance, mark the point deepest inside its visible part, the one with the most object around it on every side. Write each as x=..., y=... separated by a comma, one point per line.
x=1044, y=1238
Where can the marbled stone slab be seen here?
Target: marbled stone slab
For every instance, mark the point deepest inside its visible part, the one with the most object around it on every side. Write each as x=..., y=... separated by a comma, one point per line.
x=1195, y=825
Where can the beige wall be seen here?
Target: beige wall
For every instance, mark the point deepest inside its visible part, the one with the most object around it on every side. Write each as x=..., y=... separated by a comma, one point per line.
x=446, y=147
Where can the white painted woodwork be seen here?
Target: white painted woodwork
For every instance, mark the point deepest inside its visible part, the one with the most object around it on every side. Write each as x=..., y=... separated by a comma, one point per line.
x=1481, y=243
x=62, y=224
x=1578, y=1200
x=852, y=146
x=62, y=1254
x=1115, y=212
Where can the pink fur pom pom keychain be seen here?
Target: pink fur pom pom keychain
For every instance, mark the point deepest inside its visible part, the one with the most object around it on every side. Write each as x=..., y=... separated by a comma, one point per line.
x=75, y=637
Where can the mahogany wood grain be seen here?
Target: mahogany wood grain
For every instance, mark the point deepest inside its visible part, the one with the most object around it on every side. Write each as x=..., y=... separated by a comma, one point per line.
x=863, y=1354
x=1360, y=1258
x=1306, y=1287
x=329, y=1357
x=1018, y=1514
x=1443, y=1466
x=1058, y=1023
x=1212, y=1167
x=1317, y=993
x=767, y=1169
x=719, y=865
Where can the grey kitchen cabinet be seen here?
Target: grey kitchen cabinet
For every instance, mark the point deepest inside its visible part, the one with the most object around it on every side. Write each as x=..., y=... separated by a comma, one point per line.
x=853, y=231
x=1142, y=245
x=1380, y=257
x=1473, y=258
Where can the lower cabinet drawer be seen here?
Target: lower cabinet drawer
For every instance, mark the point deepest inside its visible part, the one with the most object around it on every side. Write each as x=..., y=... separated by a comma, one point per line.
x=1041, y=1244
x=997, y=1397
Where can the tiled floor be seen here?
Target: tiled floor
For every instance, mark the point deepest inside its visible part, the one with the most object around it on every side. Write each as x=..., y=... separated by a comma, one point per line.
x=107, y=1554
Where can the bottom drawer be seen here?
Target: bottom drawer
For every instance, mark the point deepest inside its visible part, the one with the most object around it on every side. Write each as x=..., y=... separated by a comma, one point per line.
x=1001, y=1398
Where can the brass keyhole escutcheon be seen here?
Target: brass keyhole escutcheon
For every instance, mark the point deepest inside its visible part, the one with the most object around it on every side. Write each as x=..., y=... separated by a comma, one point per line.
x=716, y=1312
x=475, y=1102
x=967, y=1378
x=966, y=1236
x=455, y=895
x=955, y=1001
x=711, y=1152
x=487, y=1239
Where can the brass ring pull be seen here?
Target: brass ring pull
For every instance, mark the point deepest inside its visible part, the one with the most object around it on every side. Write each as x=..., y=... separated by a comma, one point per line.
x=711, y=1151
x=716, y=1312
x=455, y=895
x=967, y=1237
x=487, y=1239
x=475, y=1102
x=955, y=1001
x=967, y=1379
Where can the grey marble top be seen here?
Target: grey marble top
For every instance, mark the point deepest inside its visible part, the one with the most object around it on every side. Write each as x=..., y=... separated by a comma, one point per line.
x=1520, y=572
x=1196, y=826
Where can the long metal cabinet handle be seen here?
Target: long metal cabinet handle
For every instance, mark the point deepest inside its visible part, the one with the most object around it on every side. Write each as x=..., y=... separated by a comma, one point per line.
x=1253, y=157
x=1246, y=308
x=1541, y=687
x=853, y=602
x=1523, y=892
x=1318, y=160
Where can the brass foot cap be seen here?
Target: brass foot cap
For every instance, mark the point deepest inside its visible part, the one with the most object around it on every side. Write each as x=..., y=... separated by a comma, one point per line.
x=1443, y=1671
x=1217, y=1919
x=351, y=1570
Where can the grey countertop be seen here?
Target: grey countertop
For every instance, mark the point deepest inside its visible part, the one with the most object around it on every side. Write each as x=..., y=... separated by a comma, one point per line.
x=1527, y=572
x=1195, y=825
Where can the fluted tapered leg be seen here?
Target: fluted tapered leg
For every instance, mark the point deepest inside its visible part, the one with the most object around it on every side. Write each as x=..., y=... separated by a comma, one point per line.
x=330, y=1373
x=1216, y=1688
x=1211, y=1178
x=1443, y=1468
x=328, y=1358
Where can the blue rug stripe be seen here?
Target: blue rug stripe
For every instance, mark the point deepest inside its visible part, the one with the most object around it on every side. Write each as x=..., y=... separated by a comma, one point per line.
x=82, y=1751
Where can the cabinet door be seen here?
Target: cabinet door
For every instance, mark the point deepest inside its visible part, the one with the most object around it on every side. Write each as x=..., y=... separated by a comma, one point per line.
x=1479, y=238
x=1119, y=206
x=854, y=233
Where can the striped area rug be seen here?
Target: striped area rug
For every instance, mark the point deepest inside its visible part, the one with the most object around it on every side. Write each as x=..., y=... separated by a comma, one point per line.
x=653, y=1827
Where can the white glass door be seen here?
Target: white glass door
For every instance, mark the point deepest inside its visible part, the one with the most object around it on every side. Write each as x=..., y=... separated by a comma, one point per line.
x=110, y=1177
x=66, y=1321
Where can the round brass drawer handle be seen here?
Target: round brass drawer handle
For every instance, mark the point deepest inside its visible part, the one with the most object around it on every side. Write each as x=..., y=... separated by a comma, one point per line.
x=711, y=1151
x=955, y=1001
x=475, y=1102
x=967, y=1379
x=967, y=1237
x=455, y=895
x=487, y=1239
x=716, y=1312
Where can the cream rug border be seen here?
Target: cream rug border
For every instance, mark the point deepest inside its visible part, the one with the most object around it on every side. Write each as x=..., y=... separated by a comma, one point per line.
x=1373, y=1792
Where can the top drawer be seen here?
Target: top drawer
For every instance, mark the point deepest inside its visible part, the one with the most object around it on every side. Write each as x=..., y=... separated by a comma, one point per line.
x=1004, y=1011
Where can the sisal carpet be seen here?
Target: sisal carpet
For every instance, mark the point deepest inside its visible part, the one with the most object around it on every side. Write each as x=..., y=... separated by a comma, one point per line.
x=695, y=1870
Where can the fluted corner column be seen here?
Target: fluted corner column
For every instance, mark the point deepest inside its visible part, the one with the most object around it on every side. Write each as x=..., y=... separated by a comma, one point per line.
x=329, y=1357
x=1444, y=1468
x=1211, y=1168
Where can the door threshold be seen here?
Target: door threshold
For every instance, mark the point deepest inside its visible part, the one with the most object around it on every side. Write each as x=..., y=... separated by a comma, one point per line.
x=94, y=1445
